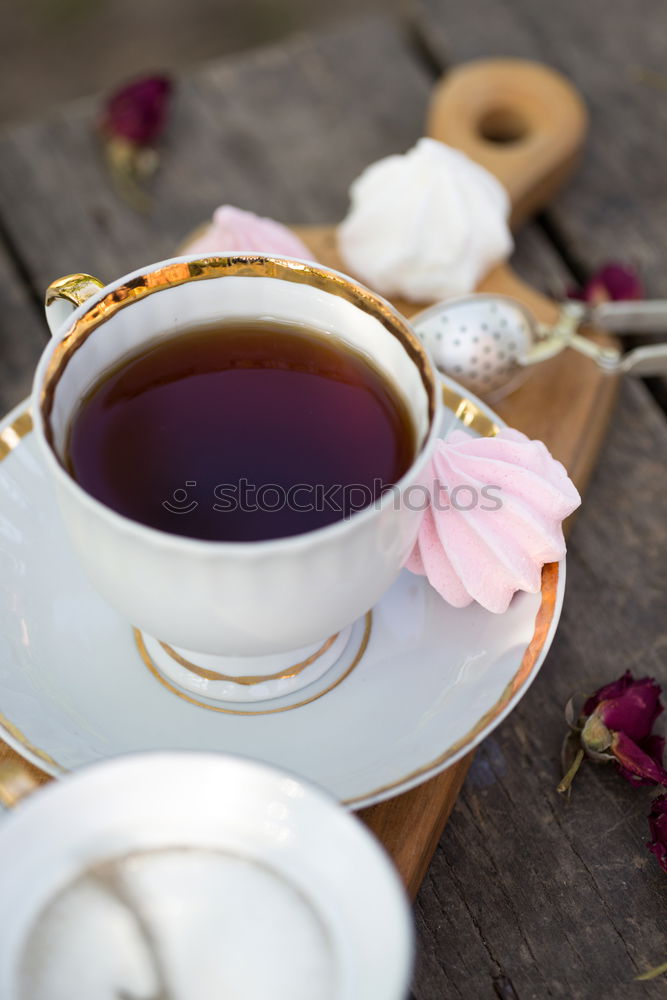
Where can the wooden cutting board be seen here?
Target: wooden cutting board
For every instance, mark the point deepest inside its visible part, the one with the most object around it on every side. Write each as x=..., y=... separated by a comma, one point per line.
x=526, y=124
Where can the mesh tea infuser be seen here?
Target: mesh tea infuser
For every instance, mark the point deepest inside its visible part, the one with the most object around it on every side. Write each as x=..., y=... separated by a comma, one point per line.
x=488, y=342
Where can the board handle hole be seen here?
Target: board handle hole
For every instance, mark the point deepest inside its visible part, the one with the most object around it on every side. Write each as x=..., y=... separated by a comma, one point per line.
x=503, y=126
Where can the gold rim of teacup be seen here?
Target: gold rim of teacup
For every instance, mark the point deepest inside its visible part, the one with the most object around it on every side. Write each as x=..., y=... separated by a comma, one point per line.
x=180, y=272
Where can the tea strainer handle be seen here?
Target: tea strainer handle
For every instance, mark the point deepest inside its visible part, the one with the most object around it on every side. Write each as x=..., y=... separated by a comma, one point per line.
x=648, y=316
x=632, y=316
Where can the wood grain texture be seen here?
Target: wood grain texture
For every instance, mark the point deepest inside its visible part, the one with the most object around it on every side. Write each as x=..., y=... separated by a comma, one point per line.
x=615, y=57
x=42, y=43
x=281, y=131
x=556, y=899
x=22, y=334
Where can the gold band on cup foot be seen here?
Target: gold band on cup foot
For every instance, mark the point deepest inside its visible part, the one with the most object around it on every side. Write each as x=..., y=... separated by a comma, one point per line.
x=202, y=680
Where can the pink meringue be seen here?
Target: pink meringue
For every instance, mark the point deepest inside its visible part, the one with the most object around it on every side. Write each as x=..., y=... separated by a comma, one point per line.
x=494, y=519
x=233, y=230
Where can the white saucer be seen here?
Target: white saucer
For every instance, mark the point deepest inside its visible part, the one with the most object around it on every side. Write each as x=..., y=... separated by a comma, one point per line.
x=422, y=683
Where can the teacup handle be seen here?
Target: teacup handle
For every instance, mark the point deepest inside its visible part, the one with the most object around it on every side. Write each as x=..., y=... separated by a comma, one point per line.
x=65, y=295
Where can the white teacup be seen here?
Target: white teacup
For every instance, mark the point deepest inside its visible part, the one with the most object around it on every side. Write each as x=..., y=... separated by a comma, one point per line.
x=232, y=620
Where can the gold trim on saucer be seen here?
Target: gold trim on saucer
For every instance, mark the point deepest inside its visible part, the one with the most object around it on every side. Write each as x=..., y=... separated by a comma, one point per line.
x=16, y=782
x=543, y=621
x=27, y=744
x=469, y=413
x=11, y=436
x=146, y=657
x=213, y=675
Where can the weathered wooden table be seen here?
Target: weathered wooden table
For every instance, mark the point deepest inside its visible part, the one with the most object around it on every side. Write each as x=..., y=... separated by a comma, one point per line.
x=527, y=896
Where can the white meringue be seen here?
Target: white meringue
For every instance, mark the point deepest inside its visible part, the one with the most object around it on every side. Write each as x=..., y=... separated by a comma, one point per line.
x=495, y=518
x=425, y=225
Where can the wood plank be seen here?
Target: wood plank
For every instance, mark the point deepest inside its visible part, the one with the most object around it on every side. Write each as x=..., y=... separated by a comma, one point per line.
x=281, y=131
x=23, y=334
x=563, y=900
x=56, y=54
x=615, y=206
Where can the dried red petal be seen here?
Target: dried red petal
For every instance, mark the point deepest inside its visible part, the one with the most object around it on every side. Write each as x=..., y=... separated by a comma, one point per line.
x=138, y=111
x=635, y=711
x=612, y=690
x=654, y=747
x=627, y=705
x=636, y=764
x=612, y=282
x=657, y=821
x=617, y=281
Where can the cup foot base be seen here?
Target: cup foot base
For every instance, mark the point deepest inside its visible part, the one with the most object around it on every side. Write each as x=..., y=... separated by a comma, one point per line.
x=236, y=679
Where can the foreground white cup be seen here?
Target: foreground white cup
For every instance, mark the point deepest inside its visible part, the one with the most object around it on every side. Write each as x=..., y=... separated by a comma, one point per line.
x=248, y=610
x=242, y=880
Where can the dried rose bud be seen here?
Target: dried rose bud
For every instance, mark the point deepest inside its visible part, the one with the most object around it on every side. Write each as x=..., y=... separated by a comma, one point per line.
x=131, y=124
x=138, y=111
x=616, y=724
x=613, y=282
x=657, y=821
